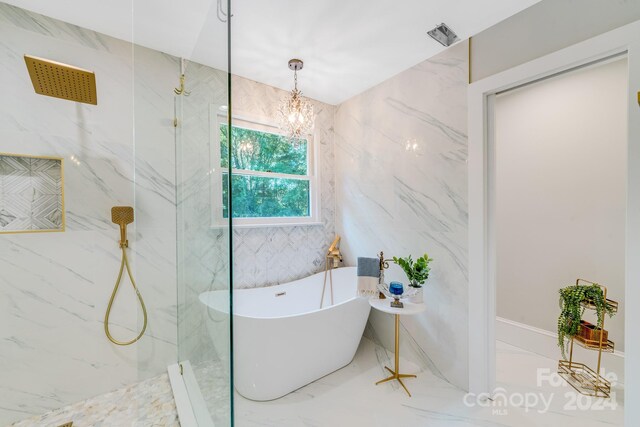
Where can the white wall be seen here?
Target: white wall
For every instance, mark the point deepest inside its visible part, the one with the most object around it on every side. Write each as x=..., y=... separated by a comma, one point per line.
x=401, y=187
x=561, y=192
x=546, y=27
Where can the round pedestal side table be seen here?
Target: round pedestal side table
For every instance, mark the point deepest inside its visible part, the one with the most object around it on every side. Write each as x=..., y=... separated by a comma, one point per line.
x=409, y=308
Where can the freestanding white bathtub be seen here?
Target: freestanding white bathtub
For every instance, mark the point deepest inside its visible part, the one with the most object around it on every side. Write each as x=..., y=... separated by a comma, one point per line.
x=282, y=340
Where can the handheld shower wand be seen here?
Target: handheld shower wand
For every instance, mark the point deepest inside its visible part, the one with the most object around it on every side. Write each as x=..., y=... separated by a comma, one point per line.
x=123, y=215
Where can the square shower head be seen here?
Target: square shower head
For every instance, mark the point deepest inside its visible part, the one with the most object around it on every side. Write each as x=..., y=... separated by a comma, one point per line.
x=62, y=81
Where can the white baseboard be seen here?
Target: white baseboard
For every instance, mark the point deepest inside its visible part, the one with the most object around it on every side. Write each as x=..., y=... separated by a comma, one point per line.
x=545, y=343
x=191, y=406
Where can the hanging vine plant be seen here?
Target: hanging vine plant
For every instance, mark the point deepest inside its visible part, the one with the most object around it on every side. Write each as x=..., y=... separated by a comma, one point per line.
x=571, y=299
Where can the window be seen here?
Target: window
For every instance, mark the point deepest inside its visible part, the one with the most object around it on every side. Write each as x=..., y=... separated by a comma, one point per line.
x=273, y=180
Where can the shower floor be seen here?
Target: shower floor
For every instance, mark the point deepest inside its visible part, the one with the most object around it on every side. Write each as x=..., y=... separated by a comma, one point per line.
x=145, y=404
x=349, y=397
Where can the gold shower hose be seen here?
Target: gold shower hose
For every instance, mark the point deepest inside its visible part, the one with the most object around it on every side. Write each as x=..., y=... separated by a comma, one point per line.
x=124, y=263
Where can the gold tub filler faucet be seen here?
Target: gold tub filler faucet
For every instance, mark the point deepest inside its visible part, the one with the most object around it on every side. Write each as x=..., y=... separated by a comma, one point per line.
x=332, y=260
x=123, y=215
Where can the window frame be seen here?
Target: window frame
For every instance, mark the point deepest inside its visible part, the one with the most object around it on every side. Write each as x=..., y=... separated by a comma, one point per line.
x=218, y=117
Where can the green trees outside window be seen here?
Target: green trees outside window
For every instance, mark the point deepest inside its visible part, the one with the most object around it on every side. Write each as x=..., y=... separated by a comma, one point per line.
x=270, y=174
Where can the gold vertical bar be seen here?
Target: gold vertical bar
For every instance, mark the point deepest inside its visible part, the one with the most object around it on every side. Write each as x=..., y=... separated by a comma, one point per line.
x=571, y=353
x=331, y=282
x=469, y=65
x=324, y=285
x=604, y=291
x=397, y=355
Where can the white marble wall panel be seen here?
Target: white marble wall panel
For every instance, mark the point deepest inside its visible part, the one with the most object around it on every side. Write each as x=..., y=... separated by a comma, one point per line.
x=155, y=76
x=55, y=286
x=401, y=187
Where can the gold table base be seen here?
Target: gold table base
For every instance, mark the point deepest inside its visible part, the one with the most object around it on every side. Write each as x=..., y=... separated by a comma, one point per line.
x=395, y=373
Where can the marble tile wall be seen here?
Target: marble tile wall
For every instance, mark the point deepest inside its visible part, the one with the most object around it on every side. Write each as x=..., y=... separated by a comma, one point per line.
x=55, y=286
x=401, y=187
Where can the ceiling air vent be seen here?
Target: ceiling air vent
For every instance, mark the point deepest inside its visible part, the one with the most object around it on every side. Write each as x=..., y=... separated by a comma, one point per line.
x=443, y=35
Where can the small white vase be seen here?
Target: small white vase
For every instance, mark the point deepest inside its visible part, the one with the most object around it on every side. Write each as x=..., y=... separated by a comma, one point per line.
x=416, y=298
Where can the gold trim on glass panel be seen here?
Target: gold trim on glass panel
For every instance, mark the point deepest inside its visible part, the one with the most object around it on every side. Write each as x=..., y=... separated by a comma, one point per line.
x=63, y=218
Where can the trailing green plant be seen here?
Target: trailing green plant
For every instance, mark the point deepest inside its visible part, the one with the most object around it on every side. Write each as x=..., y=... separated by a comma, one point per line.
x=571, y=310
x=417, y=272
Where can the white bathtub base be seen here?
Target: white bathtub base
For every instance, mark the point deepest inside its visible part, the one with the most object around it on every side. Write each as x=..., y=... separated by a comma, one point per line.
x=283, y=340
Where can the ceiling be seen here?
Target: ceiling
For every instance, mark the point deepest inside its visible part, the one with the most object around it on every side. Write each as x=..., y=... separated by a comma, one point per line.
x=348, y=46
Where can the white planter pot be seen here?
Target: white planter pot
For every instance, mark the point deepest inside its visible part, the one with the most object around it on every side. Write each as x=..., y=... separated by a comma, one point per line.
x=417, y=298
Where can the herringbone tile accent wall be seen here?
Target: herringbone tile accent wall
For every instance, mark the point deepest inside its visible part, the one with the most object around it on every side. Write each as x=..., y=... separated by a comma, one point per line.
x=30, y=194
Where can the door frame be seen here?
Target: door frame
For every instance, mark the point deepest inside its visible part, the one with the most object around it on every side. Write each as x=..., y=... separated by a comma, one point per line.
x=481, y=184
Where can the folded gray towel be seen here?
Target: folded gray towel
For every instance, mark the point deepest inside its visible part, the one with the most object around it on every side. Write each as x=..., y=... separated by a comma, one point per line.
x=368, y=276
x=369, y=267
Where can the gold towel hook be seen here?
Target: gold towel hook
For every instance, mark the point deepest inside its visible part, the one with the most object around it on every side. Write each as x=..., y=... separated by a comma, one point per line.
x=180, y=90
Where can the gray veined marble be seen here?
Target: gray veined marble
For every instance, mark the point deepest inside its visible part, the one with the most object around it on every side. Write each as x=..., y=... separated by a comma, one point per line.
x=56, y=286
x=401, y=150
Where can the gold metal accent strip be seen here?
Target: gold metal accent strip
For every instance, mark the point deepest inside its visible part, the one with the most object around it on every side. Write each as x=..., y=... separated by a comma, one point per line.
x=469, y=60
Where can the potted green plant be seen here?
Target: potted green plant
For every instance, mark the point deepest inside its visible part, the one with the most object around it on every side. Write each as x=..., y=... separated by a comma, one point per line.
x=571, y=310
x=417, y=272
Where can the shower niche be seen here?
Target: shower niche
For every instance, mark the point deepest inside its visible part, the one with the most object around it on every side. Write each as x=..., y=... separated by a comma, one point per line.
x=31, y=193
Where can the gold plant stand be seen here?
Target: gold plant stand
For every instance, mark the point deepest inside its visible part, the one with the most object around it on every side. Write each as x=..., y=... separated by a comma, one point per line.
x=395, y=373
x=409, y=309
x=580, y=376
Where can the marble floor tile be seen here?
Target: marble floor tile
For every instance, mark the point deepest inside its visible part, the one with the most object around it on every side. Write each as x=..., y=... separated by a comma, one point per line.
x=349, y=397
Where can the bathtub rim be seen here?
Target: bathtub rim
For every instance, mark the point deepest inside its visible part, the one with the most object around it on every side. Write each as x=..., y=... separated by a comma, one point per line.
x=226, y=292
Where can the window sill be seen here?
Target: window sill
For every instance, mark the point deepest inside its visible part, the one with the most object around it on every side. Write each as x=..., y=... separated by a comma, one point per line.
x=278, y=224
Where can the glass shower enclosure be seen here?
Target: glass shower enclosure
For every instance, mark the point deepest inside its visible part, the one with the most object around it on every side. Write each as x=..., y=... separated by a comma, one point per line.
x=204, y=255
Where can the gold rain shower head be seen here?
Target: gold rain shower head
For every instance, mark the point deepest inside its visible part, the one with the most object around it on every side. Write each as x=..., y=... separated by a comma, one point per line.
x=62, y=81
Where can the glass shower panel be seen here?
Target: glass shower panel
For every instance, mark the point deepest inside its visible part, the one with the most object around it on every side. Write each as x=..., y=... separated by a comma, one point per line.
x=203, y=235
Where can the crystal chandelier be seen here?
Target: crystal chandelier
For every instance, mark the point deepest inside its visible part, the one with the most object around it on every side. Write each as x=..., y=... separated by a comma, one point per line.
x=295, y=113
